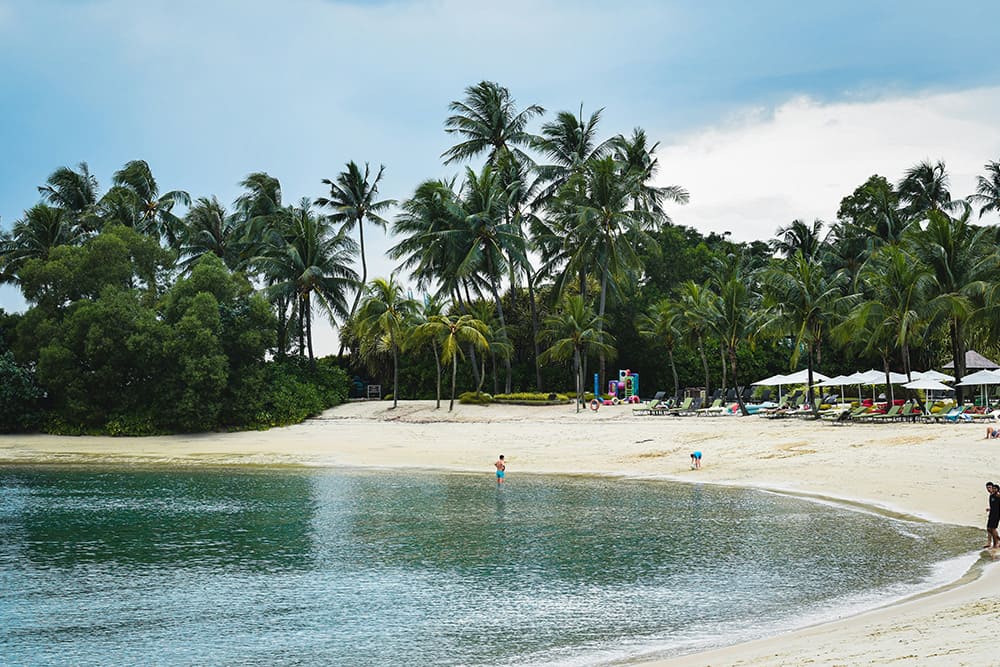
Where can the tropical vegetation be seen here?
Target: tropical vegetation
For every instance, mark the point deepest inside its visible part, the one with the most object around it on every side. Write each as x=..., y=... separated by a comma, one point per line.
x=547, y=249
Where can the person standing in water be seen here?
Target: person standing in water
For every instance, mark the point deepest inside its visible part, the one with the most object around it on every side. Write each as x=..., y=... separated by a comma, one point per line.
x=993, y=516
x=501, y=467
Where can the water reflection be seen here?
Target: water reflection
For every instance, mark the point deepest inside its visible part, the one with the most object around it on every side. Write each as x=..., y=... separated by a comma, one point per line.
x=64, y=517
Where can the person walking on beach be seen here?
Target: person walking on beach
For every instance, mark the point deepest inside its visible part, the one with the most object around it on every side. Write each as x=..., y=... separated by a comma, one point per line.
x=993, y=516
x=501, y=467
x=696, y=460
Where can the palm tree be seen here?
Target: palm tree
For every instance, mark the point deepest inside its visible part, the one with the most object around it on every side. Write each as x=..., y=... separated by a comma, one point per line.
x=155, y=211
x=892, y=314
x=570, y=143
x=41, y=229
x=572, y=331
x=432, y=306
x=383, y=315
x=353, y=200
x=76, y=192
x=662, y=326
x=736, y=313
x=208, y=228
x=924, y=187
x=310, y=259
x=488, y=120
x=798, y=236
x=696, y=312
x=453, y=331
x=639, y=160
x=988, y=189
x=962, y=262
x=802, y=299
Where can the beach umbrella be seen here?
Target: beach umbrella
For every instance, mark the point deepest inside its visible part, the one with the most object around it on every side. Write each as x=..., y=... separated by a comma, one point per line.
x=981, y=378
x=932, y=375
x=928, y=385
x=801, y=377
x=837, y=381
x=773, y=381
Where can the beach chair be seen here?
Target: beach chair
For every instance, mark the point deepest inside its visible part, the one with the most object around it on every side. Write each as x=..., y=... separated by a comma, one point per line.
x=646, y=408
x=949, y=416
x=690, y=410
x=842, y=416
x=889, y=415
x=716, y=405
x=684, y=405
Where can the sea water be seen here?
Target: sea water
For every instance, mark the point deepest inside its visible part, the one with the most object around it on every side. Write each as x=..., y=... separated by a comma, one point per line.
x=103, y=566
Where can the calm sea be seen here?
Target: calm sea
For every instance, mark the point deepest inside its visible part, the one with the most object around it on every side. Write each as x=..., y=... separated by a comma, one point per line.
x=122, y=566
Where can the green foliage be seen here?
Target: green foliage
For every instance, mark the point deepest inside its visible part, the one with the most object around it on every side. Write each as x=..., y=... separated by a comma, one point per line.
x=531, y=398
x=19, y=396
x=475, y=398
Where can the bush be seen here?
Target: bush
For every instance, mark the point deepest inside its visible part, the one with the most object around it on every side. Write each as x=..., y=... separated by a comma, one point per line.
x=19, y=396
x=531, y=398
x=475, y=398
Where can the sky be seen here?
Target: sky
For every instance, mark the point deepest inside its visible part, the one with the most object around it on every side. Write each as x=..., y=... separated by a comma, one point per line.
x=765, y=112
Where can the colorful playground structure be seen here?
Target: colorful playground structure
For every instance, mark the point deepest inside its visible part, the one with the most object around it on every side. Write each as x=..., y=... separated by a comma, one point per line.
x=623, y=390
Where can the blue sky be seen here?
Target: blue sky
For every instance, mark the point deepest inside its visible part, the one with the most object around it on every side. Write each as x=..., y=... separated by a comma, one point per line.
x=767, y=111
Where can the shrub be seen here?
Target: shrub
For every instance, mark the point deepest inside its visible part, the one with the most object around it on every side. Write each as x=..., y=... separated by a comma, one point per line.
x=531, y=398
x=475, y=398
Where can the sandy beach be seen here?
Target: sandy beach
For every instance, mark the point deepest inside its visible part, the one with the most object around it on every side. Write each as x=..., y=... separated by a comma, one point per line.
x=934, y=472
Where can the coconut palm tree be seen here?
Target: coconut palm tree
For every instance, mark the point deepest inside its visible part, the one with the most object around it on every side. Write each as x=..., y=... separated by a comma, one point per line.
x=962, y=261
x=154, y=211
x=383, y=315
x=802, y=299
x=696, y=311
x=208, y=228
x=432, y=306
x=309, y=260
x=454, y=331
x=488, y=121
x=924, y=187
x=76, y=192
x=572, y=331
x=799, y=236
x=569, y=142
x=41, y=229
x=662, y=326
x=737, y=315
x=988, y=189
x=639, y=160
x=353, y=200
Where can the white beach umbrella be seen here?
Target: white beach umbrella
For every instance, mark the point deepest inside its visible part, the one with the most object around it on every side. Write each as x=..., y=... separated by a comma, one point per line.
x=980, y=377
x=773, y=381
x=932, y=375
x=801, y=377
x=928, y=385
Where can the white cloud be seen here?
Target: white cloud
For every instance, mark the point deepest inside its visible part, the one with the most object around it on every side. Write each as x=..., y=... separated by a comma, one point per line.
x=755, y=174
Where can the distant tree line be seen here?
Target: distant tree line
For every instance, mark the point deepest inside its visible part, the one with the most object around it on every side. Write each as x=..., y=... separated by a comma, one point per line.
x=552, y=258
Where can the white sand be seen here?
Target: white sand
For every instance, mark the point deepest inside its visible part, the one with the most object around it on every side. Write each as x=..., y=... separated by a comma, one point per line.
x=932, y=471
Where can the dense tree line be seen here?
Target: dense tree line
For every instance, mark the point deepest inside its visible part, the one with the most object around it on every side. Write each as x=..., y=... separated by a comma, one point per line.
x=545, y=261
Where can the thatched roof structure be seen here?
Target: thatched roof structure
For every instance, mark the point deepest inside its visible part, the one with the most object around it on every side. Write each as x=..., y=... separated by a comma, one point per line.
x=974, y=360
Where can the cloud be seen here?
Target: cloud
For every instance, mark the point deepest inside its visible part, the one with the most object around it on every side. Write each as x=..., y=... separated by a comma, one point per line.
x=768, y=167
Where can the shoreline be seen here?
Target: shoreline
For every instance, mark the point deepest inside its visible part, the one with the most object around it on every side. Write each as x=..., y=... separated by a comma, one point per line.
x=918, y=472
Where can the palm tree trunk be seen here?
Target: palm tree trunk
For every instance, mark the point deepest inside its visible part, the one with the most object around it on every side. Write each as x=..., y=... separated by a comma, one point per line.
x=454, y=372
x=503, y=326
x=722, y=358
x=395, y=369
x=809, y=374
x=472, y=350
x=958, y=358
x=602, y=372
x=673, y=369
x=704, y=363
x=579, y=378
x=364, y=278
x=302, y=328
x=437, y=369
x=736, y=383
x=309, y=329
x=534, y=328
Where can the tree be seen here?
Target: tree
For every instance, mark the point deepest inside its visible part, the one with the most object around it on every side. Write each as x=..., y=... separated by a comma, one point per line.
x=383, y=316
x=802, y=298
x=431, y=307
x=208, y=228
x=487, y=120
x=962, y=261
x=798, y=236
x=353, y=200
x=153, y=211
x=924, y=187
x=33, y=237
x=662, y=326
x=572, y=331
x=453, y=331
x=640, y=162
x=737, y=314
x=75, y=192
x=988, y=189
x=696, y=312
x=310, y=260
